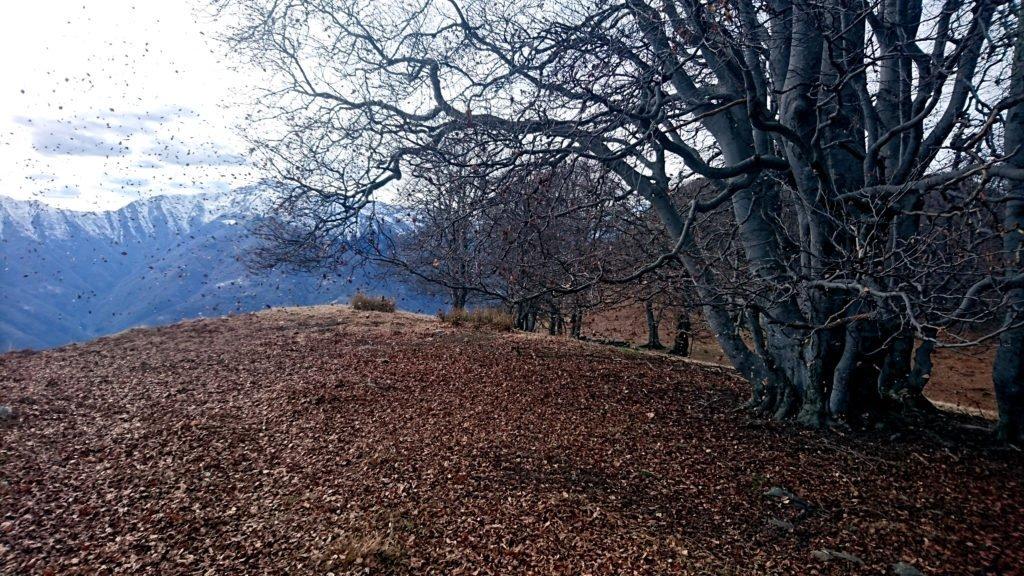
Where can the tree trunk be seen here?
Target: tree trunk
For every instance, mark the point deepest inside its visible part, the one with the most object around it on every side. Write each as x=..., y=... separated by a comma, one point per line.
x=681, y=346
x=894, y=379
x=905, y=372
x=854, y=387
x=526, y=316
x=1008, y=368
x=822, y=352
x=922, y=372
x=653, y=340
x=554, y=321
x=1007, y=376
x=576, y=323
x=839, y=399
x=773, y=396
x=459, y=297
x=821, y=355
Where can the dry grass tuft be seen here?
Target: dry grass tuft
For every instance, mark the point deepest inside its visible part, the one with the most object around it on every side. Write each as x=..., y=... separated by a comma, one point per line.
x=373, y=303
x=485, y=318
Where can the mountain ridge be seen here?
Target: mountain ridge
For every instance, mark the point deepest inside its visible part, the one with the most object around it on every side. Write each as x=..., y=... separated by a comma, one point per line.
x=72, y=275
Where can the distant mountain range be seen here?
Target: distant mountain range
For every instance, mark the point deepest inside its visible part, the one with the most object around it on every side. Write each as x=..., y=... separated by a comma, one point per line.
x=69, y=276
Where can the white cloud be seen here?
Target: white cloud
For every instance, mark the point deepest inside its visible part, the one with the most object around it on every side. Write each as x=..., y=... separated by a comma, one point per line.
x=114, y=100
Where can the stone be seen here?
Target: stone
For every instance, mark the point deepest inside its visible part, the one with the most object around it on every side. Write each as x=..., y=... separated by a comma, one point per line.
x=904, y=569
x=827, y=555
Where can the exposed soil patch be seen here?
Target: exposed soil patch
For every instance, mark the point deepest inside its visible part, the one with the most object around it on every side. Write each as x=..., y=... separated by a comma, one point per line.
x=326, y=440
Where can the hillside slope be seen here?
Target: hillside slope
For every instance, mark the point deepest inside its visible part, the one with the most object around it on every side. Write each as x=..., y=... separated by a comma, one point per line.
x=325, y=440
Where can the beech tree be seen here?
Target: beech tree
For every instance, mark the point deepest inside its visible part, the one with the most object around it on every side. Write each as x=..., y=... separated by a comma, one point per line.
x=450, y=243
x=659, y=292
x=510, y=238
x=860, y=174
x=1008, y=371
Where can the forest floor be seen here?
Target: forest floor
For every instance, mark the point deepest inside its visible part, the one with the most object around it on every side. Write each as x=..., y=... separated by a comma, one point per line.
x=323, y=440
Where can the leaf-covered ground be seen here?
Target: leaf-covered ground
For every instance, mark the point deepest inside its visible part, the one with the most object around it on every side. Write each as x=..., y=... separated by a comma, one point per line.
x=961, y=378
x=329, y=441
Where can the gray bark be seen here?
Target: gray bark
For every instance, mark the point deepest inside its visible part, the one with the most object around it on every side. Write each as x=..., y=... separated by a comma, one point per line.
x=1008, y=368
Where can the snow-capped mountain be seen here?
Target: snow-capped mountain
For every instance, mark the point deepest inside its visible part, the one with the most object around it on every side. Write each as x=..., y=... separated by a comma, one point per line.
x=68, y=276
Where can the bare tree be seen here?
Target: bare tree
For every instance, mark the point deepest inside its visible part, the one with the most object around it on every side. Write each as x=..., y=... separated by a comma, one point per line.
x=844, y=144
x=516, y=238
x=450, y=240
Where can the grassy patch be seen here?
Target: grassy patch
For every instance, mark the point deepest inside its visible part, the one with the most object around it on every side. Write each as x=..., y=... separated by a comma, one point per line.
x=485, y=318
x=374, y=303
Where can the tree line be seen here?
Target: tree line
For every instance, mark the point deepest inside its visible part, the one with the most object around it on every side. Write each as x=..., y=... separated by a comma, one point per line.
x=839, y=185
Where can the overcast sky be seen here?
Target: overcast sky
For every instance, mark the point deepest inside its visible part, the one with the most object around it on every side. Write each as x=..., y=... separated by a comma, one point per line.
x=104, y=101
